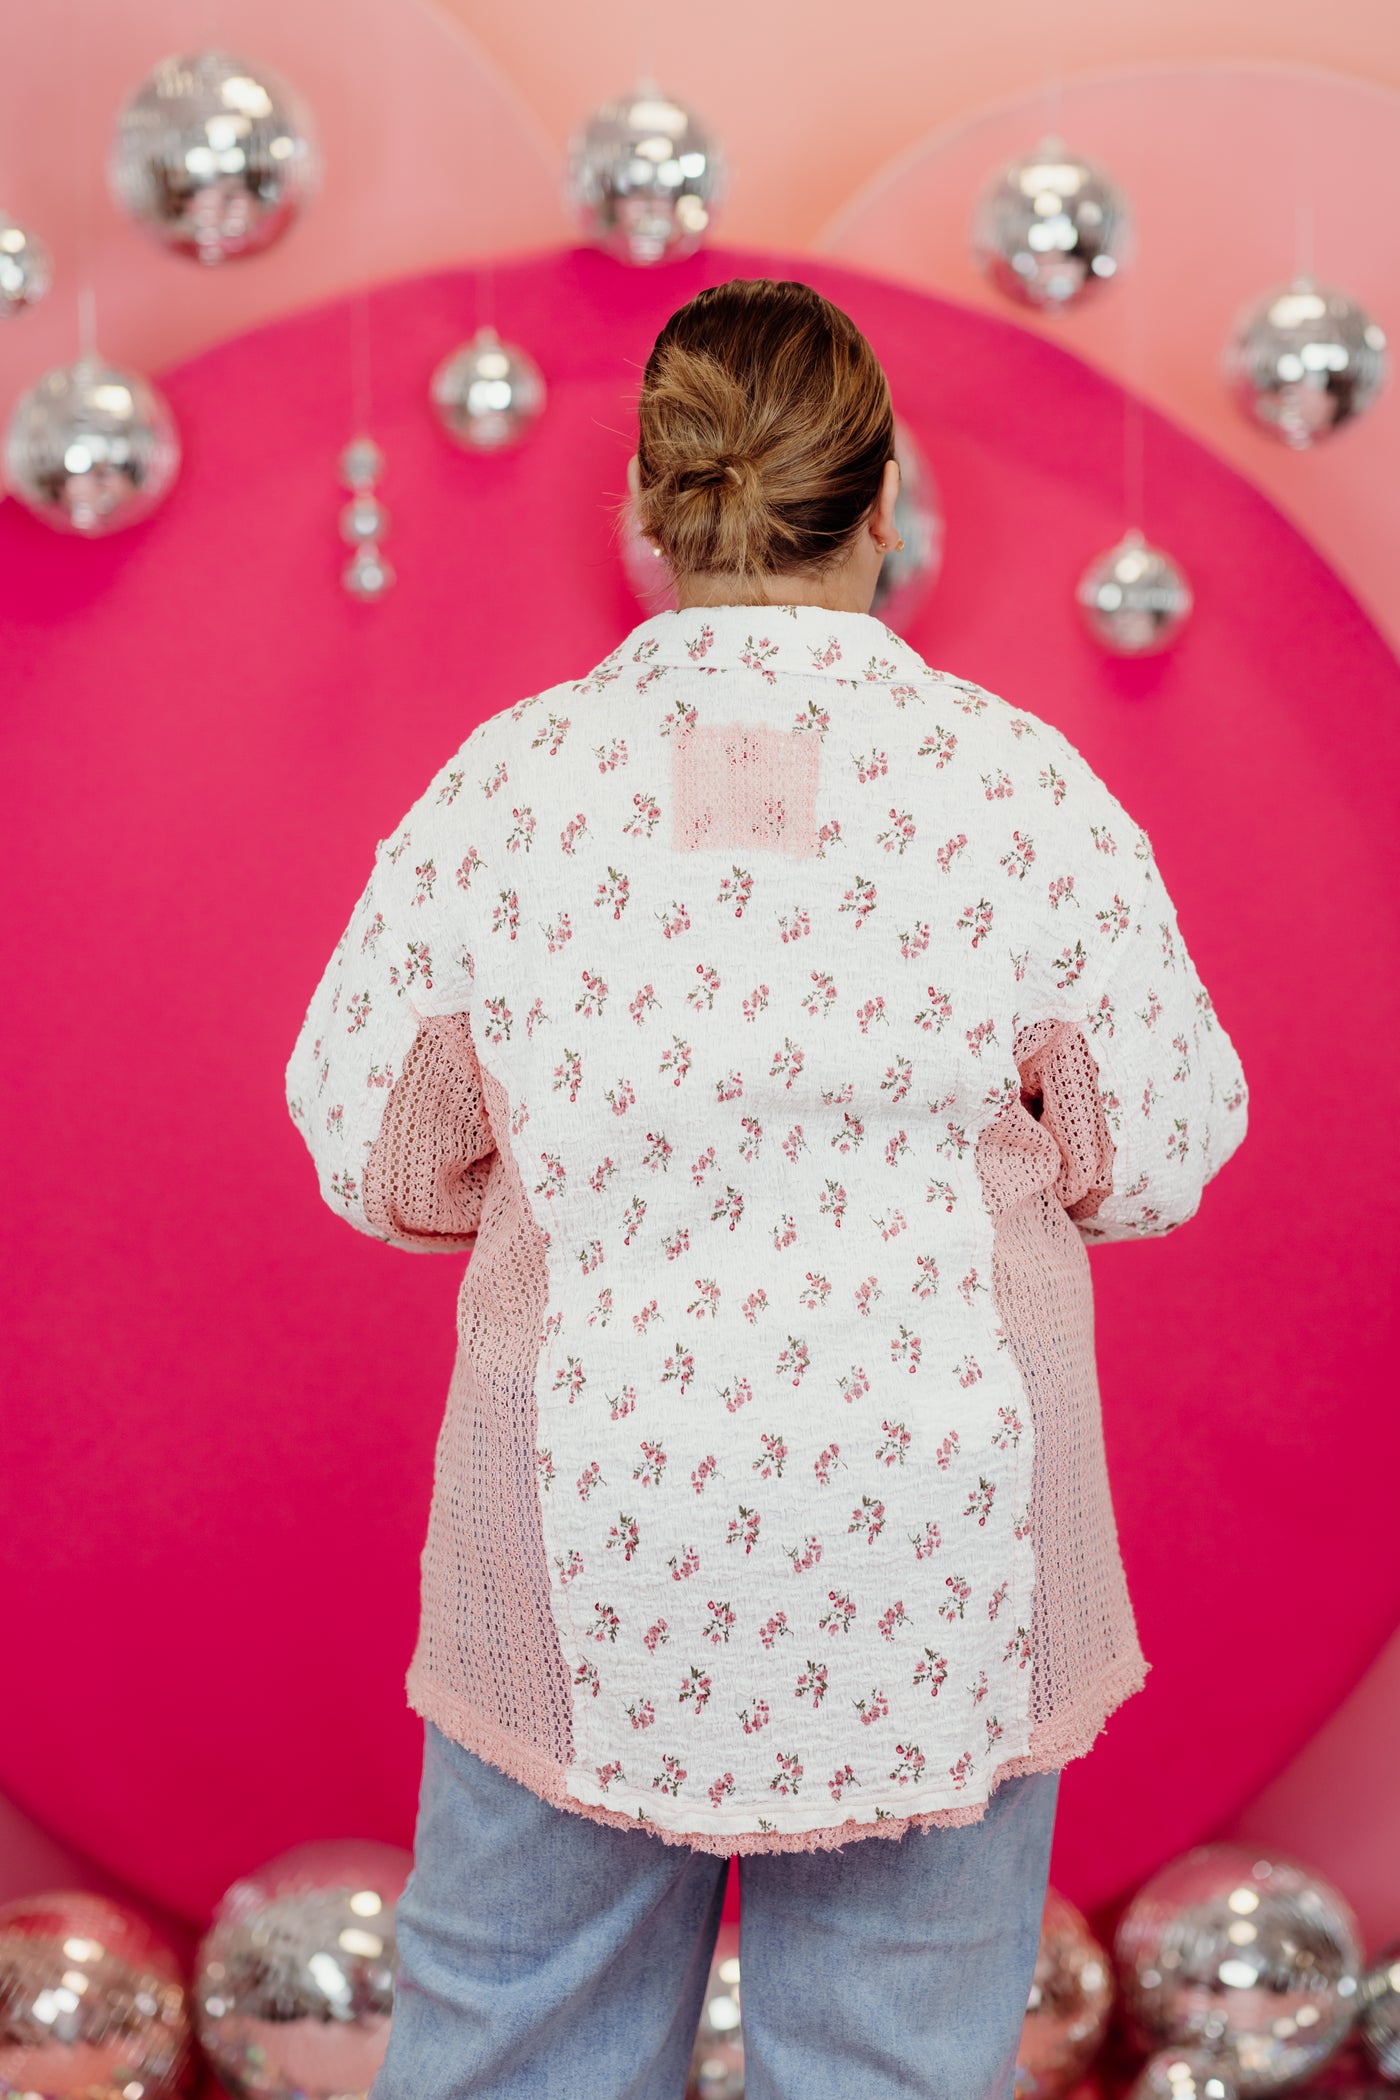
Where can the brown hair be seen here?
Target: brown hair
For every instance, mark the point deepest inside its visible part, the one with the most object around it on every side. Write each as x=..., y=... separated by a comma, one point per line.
x=764, y=424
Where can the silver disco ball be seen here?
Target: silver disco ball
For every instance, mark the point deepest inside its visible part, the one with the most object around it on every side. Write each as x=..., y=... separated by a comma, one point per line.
x=1303, y=360
x=487, y=394
x=90, y=449
x=1069, y=2004
x=1257, y=1955
x=646, y=568
x=717, y=2062
x=1186, y=2074
x=25, y=270
x=909, y=573
x=294, y=1980
x=643, y=178
x=1133, y=598
x=1050, y=229
x=214, y=156
x=906, y=577
x=1379, y=2017
x=91, y=2002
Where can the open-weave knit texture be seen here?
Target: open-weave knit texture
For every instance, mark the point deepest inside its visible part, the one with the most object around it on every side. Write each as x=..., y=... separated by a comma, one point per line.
x=741, y=785
x=428, y=1171
x=778, y=1018
x=487, y=1663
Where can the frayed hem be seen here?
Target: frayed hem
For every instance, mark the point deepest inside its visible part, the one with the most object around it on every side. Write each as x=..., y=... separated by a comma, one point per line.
x=1053, y=1745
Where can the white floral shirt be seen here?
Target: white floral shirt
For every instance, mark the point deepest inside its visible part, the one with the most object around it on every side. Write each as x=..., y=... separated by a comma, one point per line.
x=745, y=925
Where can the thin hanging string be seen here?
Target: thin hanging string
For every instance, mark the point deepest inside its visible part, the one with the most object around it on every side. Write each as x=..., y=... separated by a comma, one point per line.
x=82, y=148
x=1133, y=416
x=1132, y=291
x=361, y=398
x=1303, y=186
x=1054, y=107
x=486, y=294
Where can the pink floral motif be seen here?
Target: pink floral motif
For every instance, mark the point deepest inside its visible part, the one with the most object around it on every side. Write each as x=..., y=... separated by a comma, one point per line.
x=789, y=1773
x=874, y=1708
x=690, y=1185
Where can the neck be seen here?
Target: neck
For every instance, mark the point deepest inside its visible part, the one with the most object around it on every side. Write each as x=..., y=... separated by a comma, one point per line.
x=840, y=591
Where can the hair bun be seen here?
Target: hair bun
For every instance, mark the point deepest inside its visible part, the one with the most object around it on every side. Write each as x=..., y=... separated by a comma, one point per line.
x=764, y=427
x=712, y=473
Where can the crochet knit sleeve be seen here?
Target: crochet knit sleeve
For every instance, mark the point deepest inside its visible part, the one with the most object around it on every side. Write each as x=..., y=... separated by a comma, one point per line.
x=1172, y=1095
x=383, y=1082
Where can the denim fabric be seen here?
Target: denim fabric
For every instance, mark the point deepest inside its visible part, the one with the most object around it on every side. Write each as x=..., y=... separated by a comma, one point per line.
x=546, y=1957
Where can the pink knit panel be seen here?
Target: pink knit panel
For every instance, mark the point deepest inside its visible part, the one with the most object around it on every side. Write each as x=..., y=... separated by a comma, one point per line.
x=744, y=784
x=487, y=1666
x=427, y=1172
x=1038, y=1175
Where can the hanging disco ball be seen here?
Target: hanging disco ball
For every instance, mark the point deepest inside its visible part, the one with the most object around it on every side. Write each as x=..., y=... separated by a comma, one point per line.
x=214, y=156
x=1186, y=2074
x=1379, y=2016
x=25, y=271
x=905, y=578
x=909, y=573
x=643, y=178
x=294, y=1979
x=91, y=2002
x=646, y=568
x=1256, y=1954
x=1303, y=360
x=1133, y=598
x=1071, y=1998
x=363, y=522
x=717, y=2062
x=1052, y=228
x=487, y=394
x=91, y=449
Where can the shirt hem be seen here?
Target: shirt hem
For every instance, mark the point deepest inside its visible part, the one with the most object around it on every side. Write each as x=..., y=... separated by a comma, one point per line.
x=1053, y=1744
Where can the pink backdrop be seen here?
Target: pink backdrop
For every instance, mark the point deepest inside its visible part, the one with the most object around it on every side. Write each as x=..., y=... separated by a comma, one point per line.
x=222, y=1423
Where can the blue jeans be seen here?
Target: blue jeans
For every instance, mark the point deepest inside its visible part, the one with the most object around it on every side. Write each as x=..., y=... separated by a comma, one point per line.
x=546, y=1957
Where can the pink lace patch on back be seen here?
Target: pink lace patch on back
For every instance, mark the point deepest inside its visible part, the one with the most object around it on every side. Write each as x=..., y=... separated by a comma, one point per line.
x=744, y=784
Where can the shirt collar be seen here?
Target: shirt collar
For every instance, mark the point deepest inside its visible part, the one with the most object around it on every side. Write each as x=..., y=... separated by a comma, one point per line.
x=854, y=648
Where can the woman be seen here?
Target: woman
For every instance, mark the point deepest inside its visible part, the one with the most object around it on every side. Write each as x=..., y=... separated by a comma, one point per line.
x=776, y=1017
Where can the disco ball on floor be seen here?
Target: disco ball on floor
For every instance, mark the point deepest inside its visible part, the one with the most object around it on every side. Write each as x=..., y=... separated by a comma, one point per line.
x=1256, y=1953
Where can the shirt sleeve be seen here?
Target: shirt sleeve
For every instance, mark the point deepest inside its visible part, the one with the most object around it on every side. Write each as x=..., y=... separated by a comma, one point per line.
x=383, y=1081
x=1060, y=1087
x=1173, y=1092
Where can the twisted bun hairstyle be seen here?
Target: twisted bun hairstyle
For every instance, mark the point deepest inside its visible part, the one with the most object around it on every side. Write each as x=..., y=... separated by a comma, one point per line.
x=764, y=424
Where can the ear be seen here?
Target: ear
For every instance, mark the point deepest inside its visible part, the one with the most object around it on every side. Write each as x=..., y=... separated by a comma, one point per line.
x=884, y=508
x=634, y=478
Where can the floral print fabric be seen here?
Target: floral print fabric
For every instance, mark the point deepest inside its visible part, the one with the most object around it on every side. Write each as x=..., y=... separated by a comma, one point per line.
x=745, y=925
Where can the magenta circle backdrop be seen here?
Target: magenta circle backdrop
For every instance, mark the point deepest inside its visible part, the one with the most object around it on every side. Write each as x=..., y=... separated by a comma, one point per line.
x=223, y=1403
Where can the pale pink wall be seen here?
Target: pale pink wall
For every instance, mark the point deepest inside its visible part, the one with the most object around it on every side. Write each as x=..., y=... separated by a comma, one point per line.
x=1216, y=161
x=813, y=96
x=1337, y=1804
x=431, y=156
